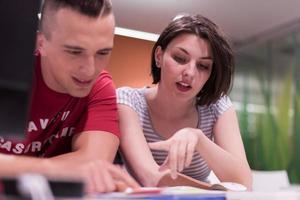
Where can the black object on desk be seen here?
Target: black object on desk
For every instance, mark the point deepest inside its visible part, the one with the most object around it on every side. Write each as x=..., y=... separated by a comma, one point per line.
x=59, y=188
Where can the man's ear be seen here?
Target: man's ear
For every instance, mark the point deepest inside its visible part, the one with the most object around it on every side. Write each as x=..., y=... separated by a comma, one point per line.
x=158, y=56
x=40, y=43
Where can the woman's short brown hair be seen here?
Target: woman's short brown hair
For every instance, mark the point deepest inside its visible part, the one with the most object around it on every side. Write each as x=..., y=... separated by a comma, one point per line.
x=220, y=80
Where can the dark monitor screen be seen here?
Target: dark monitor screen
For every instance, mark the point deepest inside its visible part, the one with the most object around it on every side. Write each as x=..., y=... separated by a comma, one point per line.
x=18, y=26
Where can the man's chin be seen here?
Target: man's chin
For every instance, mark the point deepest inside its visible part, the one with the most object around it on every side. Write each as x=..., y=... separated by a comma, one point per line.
x=80, y=93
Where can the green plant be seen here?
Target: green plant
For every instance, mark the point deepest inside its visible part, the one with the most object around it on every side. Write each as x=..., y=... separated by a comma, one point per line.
x=274, y=143
x=294, y=166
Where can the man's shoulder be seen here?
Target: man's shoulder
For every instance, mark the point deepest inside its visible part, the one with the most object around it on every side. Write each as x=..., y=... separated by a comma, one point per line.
x=104, y=77
x=104, y=80
x=103, y=86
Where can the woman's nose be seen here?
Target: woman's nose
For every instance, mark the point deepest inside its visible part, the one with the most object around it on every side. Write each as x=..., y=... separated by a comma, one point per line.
x=190, y=69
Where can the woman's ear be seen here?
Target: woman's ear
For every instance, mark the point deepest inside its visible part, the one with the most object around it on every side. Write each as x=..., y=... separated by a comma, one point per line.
x=158, y=56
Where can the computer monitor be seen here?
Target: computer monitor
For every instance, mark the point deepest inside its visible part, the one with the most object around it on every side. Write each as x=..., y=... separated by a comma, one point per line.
x=18, y=26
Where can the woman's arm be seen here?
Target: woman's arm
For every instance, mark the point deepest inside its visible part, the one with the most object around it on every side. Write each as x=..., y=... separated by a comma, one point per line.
x=226, y=156
x=135, y=148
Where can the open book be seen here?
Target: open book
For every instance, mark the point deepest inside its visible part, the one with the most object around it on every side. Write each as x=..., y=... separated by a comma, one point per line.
x=183, y=180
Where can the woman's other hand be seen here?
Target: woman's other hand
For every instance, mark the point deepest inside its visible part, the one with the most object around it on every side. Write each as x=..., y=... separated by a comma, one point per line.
x=180, y=147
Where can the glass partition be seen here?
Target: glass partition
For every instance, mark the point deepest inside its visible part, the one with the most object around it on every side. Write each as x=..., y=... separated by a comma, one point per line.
x=266, y=94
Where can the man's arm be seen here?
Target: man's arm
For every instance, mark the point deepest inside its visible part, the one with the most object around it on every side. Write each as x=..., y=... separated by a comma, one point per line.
x=91, y=145
x=90, y=161
x=12, y=165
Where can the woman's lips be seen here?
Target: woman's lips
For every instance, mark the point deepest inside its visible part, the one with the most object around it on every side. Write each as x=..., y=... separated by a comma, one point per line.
x=183, y=87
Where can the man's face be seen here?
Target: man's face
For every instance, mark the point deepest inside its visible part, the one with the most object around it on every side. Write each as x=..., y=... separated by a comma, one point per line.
x=76, y=52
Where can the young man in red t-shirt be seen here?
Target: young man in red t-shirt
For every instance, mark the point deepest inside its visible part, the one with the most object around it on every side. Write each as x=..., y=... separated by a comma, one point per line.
x=73, y=124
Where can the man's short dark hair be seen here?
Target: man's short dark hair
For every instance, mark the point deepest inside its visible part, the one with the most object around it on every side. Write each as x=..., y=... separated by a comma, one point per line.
x=90, y=8
x=220, y=80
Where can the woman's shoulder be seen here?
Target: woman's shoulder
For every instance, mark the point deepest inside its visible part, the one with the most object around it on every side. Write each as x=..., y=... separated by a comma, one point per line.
x=223, y=100
x=130, y=92
x=217, y=108
x=133, y=97
x=221, y=105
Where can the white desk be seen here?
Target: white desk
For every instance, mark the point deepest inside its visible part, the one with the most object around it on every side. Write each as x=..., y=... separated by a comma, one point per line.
x=280, y=195
x=290, y=193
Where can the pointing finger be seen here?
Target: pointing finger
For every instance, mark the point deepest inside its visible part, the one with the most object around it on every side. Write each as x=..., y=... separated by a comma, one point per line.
x=181, y=156
x=165, y=165
x=189, y=154
x=173, y=160
x=161, y=145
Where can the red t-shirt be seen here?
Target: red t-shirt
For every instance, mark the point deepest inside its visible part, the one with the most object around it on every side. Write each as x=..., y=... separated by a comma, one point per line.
x=55, y=117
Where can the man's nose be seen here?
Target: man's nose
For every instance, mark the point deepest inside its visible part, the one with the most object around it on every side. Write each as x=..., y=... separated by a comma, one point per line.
x=88, y=68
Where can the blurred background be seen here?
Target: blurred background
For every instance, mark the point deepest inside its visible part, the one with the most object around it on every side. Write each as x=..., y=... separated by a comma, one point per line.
x=265, y=36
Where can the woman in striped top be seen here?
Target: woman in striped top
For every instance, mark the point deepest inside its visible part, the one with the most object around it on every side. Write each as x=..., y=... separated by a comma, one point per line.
x=186, y=123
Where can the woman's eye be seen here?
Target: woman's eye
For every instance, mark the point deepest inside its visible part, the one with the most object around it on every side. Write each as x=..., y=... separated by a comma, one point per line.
x=179, y=59
x=202, y=66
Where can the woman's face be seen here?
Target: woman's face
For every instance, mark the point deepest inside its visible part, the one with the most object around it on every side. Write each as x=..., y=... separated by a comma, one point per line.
x=186, y=65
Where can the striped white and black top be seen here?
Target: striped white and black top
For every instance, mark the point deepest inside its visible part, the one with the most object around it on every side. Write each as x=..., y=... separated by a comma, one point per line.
x=135, y=98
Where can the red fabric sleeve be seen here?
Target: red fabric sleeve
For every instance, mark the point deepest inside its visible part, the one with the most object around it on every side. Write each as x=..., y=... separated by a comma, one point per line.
x=101, y=113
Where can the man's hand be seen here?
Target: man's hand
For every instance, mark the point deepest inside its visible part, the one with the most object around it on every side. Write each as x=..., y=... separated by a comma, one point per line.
x=102, y=176
x=98, y=176
x=93, y=152
x=181, y=147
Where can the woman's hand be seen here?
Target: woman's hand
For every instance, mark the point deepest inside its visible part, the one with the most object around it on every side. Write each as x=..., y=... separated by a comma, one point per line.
x=180, y=147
